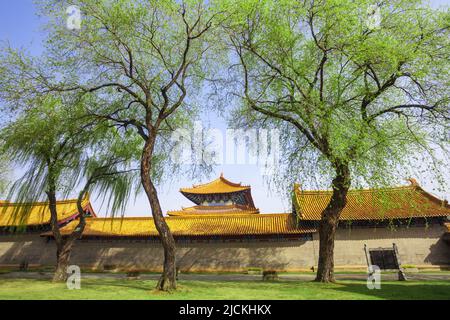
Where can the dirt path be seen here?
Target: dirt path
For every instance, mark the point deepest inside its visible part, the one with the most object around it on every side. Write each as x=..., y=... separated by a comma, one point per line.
x=231, y=277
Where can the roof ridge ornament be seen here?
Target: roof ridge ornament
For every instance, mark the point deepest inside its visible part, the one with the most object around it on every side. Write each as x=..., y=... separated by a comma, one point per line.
x=413, y=182
x=228, y=181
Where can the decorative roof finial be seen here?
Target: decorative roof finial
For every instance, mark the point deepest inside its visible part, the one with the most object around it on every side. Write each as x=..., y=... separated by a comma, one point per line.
x=221, y=174
x=413, y=181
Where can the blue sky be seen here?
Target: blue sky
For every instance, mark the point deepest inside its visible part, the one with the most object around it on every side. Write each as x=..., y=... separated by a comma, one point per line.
x=21, y=27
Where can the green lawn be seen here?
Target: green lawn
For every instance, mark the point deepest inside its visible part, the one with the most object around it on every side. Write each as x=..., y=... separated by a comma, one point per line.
x=143, y=289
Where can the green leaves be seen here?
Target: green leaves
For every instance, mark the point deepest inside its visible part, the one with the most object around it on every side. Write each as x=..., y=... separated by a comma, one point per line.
x=4, y=174
x=58, y=142
x=364, y=95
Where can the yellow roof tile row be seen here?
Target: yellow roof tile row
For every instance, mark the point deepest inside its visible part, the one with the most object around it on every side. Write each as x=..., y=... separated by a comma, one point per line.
x=237, y=225
x=36, y=213
x=373, y=204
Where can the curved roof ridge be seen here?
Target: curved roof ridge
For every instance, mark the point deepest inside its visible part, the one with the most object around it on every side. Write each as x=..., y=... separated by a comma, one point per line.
x=221, y=184
x=432, y=197
x=197, y=216
x=411, y=187
x=234, y=184
x=394, y=202
x=40, y=203
x=38, y=213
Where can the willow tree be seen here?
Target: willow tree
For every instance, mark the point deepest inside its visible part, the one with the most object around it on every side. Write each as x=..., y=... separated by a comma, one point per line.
x=4, y=174
x=355, y=99
x=62, y=150
x=142, y=58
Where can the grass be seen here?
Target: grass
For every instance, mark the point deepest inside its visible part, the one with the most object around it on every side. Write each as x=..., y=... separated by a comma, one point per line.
x=111, y=289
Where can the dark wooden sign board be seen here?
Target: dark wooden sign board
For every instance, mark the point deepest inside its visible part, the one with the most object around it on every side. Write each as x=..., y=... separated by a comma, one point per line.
x=385, y=259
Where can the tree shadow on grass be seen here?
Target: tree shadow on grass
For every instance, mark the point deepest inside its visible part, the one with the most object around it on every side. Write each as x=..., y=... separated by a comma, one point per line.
x=409, y=290
x=144, y=285
x=136, y=289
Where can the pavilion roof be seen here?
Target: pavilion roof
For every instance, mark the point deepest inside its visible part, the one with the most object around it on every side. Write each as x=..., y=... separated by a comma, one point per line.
x=215, y=210
x=14, y=214
x=231, y=225
x=373, y=204
x=220, y=185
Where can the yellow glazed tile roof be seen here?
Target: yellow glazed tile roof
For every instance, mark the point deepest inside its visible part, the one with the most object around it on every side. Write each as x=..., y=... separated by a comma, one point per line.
x=220, y=185
x=214, y=210
x=36, y=213
x=232, y=225
x=373, y=204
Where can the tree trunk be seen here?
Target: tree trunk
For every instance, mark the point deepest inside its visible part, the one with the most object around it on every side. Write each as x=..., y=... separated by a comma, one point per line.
x=64, y=250
x=167, y=282
x=63, y=257
x=329, y=222
x=64, y=247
